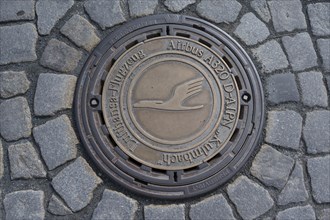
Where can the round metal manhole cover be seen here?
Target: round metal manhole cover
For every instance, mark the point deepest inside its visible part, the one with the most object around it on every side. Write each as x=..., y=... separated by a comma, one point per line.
x=169, y=106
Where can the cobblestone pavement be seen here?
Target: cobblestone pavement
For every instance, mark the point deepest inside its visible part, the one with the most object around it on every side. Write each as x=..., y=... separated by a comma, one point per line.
x=45, y=172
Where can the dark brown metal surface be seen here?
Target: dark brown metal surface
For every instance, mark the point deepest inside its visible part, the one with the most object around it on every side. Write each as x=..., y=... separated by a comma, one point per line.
x=169, y=106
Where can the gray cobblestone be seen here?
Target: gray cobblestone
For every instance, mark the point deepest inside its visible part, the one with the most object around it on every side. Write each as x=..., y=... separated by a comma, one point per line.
x=25, y=205
x=327, y=77
x=18, y=43
x=319, y=169
x=138, y=8
x=250, y=199
x=282, y=88
x=324, y=214
x=178, y=5
x=15, y=120
x=300, y=51
x=1, y=162
x=287, y=15
x=76, y=183
x=251, y=30
x=57, y=207
x=272, y=167
x=324, y=48
x=271, y=61
x=319, y=17
x=60, y=57
x=211, y=208
x=316, y=131
x=81, y=32
x=164, y=212
x=54, y=150
x=284, y=129
x=219, y=11
x=54, y=92
x=299, y=212
x=17, y=10
x=13, y=83
x=313, y=89
x=295, y=189
x=122, y=207
x=25, y=162
x=1, y=216
x=49, y=12
x=261, y=7
x=105, y=13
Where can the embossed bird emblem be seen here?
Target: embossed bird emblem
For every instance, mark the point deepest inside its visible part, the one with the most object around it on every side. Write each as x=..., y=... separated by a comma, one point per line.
x=181, y=92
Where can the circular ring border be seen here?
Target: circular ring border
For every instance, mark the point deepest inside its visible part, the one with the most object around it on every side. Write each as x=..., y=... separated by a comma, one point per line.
x=111, y=161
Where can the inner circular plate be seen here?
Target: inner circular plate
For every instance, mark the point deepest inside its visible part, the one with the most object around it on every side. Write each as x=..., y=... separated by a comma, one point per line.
x=167, y=95
x=168, y=103
x=159, y=106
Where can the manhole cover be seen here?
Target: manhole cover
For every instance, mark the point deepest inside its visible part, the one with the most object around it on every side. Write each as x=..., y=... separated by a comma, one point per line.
x=169, y=106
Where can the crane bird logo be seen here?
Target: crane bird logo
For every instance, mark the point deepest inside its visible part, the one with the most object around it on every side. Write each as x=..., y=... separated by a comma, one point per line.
x=181, y=92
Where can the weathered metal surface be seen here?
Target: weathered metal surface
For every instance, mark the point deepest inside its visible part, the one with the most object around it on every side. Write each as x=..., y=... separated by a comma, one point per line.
x=169, y=106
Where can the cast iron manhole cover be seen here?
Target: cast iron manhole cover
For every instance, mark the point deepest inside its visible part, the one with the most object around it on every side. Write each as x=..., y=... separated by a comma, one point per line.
x=169, y=106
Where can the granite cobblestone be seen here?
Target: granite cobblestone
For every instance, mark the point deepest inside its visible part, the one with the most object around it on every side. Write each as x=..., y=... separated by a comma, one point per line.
x=301, y=52
x=299, y=212
x=15, y=120
x=316, y=131
x=272, y=167
x=123, y=207
x=25, y=205
x=271, y=61
x=319, y=17
x=99, y=10
x=161, y=212
x=81, y=32
x=13, y=83
x=251, y=30
x=250, y=199
x=282, y=88
x=323, y=46
x=49, y=12
x=60, y=57
x=284, y=129
x=1, y=215
x=225, y=11
x=295, y=190
x=324, y=214
x=314, y=92
x=56, y=151
x=76, y=183
x=261, y=7
x=138, y=8
x=25, y=162
x=57, y=207
x=318, y=168
x=1, y=161
x=18, y=43
x=286, y=180
x=327, y=77
x=54, y=93
x=17, y=10
x=178, y=5
x=287, y=15
x=211, y=208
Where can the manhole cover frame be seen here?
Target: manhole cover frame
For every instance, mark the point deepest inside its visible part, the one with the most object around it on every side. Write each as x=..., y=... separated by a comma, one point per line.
x=136, y=176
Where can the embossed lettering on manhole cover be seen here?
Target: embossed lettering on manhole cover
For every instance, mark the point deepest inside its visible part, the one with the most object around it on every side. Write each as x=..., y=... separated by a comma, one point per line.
x=169, y=106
